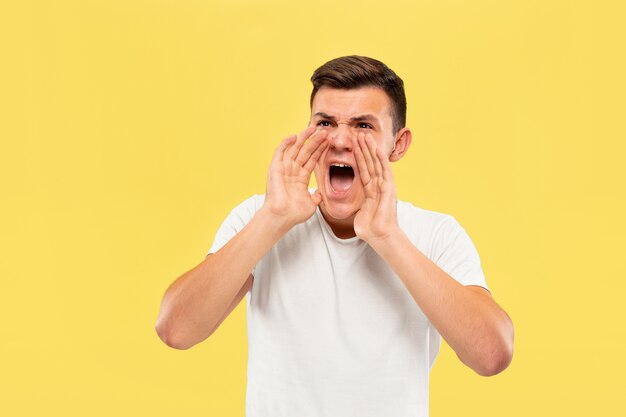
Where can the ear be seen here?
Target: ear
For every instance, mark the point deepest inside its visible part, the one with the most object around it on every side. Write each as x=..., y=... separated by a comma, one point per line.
x=401, y=144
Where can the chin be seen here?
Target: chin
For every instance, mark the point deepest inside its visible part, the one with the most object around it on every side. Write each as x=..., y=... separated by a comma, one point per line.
x=339, y=211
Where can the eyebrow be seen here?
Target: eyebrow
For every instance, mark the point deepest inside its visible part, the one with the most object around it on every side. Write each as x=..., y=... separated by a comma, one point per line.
x=368, y=117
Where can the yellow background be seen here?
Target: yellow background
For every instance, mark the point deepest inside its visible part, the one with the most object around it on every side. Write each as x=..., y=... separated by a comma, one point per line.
x=129, y=129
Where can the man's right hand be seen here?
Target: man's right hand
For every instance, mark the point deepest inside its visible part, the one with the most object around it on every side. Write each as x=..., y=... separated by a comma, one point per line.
x=287, y=197
x=199, y=300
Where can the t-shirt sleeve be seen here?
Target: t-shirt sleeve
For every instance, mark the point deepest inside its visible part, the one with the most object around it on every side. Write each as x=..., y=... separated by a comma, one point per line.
x=235, y=221
x=455, y=253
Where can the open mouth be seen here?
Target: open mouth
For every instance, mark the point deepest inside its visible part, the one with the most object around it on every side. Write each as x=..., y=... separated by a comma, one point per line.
x=341, y=177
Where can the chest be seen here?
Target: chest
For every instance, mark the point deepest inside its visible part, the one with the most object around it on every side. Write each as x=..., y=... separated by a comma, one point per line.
x=309, y=280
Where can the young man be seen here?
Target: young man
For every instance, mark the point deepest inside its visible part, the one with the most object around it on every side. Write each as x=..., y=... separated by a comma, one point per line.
x=348, y=290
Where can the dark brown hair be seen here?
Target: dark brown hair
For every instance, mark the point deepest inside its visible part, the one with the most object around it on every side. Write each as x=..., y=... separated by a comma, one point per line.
x=356, y=71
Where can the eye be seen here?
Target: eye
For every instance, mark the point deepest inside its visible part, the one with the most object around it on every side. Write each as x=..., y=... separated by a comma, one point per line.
x=323, y=123
x=363, y=125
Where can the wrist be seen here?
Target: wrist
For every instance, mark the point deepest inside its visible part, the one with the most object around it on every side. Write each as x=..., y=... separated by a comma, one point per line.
x=387, y=240
x=277, y=222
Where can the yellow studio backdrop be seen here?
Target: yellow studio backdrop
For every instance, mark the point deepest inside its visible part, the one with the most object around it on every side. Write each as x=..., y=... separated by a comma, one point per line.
x=129, y=129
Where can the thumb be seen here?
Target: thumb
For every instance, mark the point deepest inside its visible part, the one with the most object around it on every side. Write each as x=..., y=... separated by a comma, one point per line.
x=317, y=197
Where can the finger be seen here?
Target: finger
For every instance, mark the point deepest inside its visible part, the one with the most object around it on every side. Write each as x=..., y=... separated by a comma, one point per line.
x=315, y=156
x=282, y=146
x=302, y=137
x=387, y=173
x=361, y=162
x=371, y=145
x=367, y=154
x=310, y=147
x=317, y=197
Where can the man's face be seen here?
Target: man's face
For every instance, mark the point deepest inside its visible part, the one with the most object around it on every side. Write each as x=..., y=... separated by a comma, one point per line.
x=343, y=114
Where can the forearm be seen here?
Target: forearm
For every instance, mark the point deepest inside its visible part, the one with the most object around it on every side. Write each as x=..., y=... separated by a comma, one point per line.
x=472, y=323
x=193, y=305
x=196, y=302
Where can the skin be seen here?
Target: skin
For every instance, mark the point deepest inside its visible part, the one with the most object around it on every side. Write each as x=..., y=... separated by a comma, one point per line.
x=467, y=317
x=345, y=115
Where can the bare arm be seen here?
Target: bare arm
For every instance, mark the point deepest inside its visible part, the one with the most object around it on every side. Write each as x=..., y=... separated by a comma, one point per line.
x=195, y=305
x=467, y=317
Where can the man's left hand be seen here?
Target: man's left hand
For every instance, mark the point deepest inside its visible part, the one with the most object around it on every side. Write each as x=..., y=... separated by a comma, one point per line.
x=377, y=218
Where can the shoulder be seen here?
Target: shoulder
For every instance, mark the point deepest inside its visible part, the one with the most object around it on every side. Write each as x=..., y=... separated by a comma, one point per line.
x=249, y=206
x=411, y=216
x=427, y=229
x=243, y=212
x=236, y=220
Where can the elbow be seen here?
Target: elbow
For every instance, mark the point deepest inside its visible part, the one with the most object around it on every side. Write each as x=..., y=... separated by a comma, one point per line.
x=495, y=363
x=177, y=332
x=171, y=341
x=499, y=356
x=170, y=337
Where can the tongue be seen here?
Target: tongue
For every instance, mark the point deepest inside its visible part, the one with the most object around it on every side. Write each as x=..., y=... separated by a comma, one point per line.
x=341, y=181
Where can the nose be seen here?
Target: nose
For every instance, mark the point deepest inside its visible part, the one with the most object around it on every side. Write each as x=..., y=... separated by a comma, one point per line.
x=340, y=138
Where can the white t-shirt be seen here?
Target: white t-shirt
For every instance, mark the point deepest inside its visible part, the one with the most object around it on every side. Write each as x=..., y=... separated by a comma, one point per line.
x=332, y=330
